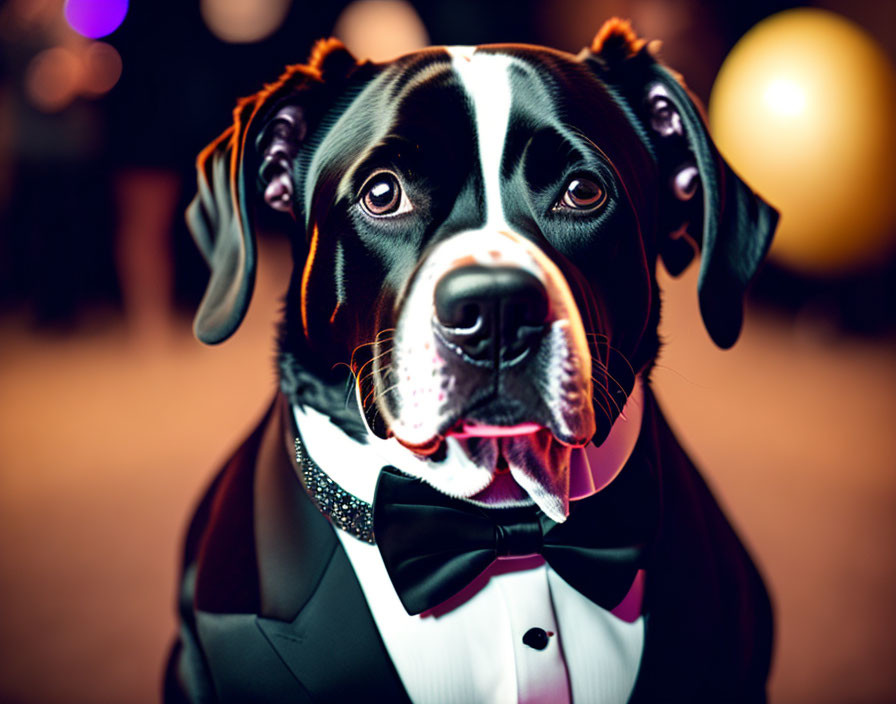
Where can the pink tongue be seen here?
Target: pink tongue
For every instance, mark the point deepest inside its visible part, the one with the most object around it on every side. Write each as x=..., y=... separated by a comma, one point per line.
x=495, y=431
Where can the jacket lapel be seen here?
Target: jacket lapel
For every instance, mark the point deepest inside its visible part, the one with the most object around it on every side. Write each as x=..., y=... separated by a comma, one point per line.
x=313, y=612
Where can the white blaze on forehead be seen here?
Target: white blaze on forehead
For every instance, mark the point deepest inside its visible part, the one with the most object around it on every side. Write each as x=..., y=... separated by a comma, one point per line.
x=486, y=79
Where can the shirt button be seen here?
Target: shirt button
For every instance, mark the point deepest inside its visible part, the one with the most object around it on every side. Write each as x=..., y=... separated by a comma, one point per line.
x=536, y=638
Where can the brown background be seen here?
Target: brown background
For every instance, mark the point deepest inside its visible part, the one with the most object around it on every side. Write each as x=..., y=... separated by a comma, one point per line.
x=112, y=421
x=105, y=446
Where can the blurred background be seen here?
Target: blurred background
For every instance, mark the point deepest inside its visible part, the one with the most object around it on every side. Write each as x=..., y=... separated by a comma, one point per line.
x=113, y=418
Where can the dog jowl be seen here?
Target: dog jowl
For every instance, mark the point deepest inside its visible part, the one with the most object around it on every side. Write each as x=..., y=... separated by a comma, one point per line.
x=475, y=233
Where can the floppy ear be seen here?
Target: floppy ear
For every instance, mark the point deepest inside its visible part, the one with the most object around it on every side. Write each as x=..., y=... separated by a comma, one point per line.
x=731, y=225
x=254, y=156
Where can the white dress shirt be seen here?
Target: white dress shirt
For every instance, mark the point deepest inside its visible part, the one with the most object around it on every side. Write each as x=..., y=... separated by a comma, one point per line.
x=471, y=649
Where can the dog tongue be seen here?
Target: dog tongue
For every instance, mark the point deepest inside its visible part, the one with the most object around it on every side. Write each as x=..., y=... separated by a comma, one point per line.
x=541, y=467
x=469, y=430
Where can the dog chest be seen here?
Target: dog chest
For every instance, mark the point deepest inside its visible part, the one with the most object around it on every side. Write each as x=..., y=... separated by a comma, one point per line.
x=518, y=633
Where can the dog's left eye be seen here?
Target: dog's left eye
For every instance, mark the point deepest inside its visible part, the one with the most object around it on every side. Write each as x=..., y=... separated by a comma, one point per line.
x=582, y=194
x=382, y=195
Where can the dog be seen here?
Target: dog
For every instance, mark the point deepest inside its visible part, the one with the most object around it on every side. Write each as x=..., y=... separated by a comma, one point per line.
x=464, y=489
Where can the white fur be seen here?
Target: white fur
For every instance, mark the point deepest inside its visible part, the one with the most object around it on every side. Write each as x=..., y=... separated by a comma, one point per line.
x=486, y=79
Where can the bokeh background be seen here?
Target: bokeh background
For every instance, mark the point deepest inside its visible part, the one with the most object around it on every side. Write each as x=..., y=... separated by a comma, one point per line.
x=113, y=418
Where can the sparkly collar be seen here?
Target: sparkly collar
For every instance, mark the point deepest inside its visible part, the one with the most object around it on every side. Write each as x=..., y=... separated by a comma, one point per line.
x=345, y=510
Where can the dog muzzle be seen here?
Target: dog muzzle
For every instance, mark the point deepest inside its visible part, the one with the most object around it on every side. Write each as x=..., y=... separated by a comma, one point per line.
x=488, y=373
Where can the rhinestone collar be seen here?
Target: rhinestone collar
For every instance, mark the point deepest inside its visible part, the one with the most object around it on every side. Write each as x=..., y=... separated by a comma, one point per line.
x=346, y=511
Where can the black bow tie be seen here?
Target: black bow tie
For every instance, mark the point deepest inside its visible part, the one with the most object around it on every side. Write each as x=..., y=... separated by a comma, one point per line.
x=434, y=546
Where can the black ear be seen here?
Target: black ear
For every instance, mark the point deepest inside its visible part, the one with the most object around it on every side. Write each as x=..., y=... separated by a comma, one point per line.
x=734, y=226
x=253, y=157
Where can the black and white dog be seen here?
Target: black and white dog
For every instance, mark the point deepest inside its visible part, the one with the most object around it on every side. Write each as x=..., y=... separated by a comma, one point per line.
x=464, y=490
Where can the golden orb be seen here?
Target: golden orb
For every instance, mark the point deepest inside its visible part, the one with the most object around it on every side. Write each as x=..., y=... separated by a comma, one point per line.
x=804, y=108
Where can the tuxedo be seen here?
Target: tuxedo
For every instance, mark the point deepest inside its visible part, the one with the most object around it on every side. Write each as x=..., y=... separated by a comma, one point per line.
x=271, y=609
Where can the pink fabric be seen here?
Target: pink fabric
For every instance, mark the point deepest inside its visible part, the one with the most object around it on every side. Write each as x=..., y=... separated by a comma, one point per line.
x=629, y=609
x=593, y=468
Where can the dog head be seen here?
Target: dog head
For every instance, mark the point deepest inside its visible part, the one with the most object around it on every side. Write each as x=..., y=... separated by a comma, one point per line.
x=475, y=232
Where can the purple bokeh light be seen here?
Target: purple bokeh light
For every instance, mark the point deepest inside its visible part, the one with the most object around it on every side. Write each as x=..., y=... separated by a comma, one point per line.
x=95, y=18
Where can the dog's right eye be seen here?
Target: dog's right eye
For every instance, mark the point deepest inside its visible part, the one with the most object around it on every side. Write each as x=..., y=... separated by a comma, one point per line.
x=382, y=195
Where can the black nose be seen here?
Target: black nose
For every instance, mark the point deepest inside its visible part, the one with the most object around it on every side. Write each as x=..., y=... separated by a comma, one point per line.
x=491, y=314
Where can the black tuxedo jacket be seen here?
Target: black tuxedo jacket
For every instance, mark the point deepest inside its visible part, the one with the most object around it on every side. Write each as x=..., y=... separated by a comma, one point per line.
x=271, y=610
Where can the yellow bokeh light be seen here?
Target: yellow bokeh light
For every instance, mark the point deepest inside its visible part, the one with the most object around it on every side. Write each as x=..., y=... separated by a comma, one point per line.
x=52, y=79
x=380, y=30
x=102, y=69
x=785, y=97
x=243, y=21
x=803, y=108
x=57, y=76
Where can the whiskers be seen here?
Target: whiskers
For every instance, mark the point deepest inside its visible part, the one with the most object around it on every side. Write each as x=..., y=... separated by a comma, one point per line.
x=603, y=381
x=383, y=336
x=371, y=373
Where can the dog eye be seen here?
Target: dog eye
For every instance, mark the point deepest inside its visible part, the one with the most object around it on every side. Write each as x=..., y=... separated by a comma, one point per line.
x=382, y=195
x=582, y=194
